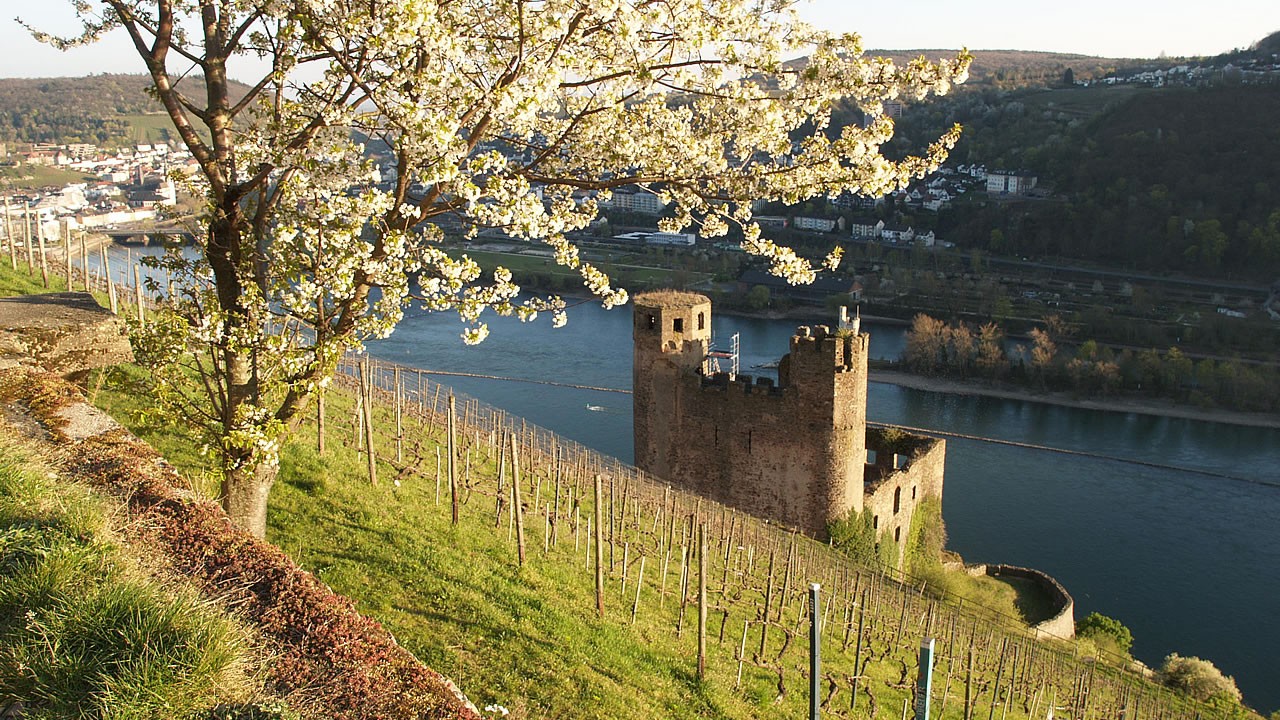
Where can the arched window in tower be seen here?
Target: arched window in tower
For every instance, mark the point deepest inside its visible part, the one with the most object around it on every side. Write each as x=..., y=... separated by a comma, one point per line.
x=897, y=499
x=653, y=321
x=678, y=324
x=702, y=321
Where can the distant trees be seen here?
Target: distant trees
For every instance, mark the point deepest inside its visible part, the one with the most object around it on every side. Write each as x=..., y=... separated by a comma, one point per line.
x=1180, y=179
x=758, y=297
x=67, y=110
x=934, y=347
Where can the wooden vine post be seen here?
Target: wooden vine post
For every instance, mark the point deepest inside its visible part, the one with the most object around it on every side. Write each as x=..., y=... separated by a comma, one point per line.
x=451, y=462
x=320, y=429
x=702, y=601
x=13, y=242
x=599, y=551
x=517, y=507
x=366, y=392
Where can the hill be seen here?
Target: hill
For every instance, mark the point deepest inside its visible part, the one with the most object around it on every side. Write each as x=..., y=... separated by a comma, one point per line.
x=105, y=110
x=536, y=634
x=1168, y=179
x=1016, y=68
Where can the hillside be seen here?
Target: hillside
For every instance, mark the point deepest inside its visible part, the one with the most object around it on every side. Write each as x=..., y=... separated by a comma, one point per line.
x=1015, y=68
x=1170, y=179
x=103, y=110
x=505, y=602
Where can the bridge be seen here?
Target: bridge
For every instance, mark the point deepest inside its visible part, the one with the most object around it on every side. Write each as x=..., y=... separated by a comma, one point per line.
x=147, y=235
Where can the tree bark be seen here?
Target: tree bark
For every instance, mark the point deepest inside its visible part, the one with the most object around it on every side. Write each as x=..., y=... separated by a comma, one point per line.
x=244, y=497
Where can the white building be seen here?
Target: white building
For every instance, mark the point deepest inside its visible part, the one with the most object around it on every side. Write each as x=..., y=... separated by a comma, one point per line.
x=813, y=223
x=1010, y=183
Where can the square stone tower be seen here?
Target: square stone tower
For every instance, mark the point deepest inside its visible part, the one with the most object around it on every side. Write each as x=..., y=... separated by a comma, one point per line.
x=672, y=336
x=793, y=452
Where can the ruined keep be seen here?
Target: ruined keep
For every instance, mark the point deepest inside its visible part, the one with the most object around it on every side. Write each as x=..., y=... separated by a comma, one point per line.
x=796, y=451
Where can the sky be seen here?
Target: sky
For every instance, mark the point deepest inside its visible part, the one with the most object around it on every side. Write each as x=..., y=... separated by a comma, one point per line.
x=1108, y=28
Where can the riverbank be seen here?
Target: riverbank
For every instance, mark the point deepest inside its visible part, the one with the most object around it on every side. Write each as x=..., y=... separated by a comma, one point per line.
x=1142, y=406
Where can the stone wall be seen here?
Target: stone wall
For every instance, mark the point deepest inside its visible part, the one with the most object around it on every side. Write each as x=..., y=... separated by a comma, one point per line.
x=67, y=333
x=897, y=482
x=793, y=452
x=1062, y=624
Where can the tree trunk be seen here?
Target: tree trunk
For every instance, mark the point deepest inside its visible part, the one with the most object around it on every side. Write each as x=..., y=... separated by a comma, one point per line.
x=244, y=497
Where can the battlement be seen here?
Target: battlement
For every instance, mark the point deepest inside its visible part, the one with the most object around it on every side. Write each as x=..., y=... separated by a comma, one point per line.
x=743, y=385
x=817, y=352
x=794, y=451
x=672, y=322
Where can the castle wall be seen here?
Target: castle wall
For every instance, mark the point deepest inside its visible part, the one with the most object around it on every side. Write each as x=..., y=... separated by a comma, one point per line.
x=894, y=493
x=793, y=453
x=1060, y=625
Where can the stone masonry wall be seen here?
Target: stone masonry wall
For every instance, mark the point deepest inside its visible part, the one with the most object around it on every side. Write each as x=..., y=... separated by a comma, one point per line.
x=792, y=452
x=893, y=494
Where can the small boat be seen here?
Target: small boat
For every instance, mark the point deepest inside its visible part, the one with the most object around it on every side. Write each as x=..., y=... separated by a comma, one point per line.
x=596, y=408
x=766, y=366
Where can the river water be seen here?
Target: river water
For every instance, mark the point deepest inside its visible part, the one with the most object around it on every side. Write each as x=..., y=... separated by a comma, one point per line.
x=1187, y=556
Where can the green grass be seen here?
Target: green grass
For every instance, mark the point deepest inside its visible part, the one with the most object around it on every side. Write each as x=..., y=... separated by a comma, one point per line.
x=525, y=638
x=84, y=631
x=22, y=283
x=528, y=638
x=36, y=176
x=151, y=128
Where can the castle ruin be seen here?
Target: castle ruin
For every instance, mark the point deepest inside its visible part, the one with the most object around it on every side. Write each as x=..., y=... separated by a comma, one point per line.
x=797, y=451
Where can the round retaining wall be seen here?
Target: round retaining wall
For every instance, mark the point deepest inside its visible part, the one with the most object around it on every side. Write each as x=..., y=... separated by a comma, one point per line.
x=1063, y=623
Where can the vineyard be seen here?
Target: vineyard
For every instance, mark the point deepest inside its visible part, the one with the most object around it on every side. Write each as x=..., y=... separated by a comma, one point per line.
x=583, y=556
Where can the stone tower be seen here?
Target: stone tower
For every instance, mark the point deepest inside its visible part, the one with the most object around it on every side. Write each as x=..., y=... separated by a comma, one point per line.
x=672, y=336
x=794, y=451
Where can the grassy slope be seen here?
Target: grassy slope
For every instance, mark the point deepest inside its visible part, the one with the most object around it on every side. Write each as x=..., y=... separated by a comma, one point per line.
x=526, y=638
x=83, y=630
x=522, y=638
x=35, y=176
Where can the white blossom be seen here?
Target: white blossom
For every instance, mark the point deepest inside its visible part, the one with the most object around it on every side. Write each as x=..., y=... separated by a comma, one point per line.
x=520, y=117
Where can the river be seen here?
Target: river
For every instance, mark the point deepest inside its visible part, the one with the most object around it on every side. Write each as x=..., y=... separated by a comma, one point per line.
x=1187, y=555
x=1186, y=559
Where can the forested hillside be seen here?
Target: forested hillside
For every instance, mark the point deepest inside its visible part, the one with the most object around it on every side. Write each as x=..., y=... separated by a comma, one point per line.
x=65, y=110
x=104, y=110
x=1010, y=69
x=1178, y=179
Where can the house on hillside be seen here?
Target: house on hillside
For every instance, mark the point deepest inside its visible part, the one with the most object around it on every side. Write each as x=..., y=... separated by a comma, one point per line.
x=898, y=233
x=1010, y=183
x=866, y=228
x=816, y=224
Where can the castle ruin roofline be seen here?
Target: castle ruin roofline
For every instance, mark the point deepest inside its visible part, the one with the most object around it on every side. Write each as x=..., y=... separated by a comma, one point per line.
x=669, y=298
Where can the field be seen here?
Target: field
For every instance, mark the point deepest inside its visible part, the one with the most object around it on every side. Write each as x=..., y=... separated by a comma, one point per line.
x=1081, y=102
x=34, y=177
